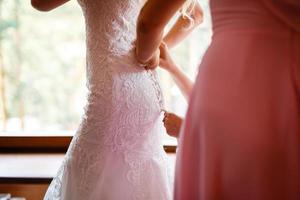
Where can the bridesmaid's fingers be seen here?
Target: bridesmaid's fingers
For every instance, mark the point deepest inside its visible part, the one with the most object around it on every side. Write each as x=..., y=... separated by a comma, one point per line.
x=166, y=114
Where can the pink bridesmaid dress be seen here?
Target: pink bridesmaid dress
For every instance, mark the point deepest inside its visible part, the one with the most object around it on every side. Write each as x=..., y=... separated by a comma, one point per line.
x=241, y=138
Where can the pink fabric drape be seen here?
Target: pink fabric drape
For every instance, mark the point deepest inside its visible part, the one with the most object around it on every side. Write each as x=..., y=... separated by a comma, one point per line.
x=241, y=138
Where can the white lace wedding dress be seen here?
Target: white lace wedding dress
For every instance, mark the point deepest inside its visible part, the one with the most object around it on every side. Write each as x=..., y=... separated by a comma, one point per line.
x=117, y=152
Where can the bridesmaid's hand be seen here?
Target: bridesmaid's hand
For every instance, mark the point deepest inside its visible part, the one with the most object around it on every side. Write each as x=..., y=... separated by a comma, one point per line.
x=172, y=124
x=153, y=62
x=166, y=61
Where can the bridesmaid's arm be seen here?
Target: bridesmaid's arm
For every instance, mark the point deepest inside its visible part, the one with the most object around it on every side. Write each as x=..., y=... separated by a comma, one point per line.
x=47, y=5
x=184, y=26
x=152, y=20
x=182, y=81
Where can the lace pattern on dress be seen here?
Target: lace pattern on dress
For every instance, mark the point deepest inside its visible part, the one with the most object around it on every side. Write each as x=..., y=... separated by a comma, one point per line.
x=122, y=115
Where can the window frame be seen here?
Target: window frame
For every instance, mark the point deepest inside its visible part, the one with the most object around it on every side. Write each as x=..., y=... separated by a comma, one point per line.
x=45, y=144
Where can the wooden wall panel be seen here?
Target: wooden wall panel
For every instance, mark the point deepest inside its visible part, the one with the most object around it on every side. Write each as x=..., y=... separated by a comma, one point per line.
x=29, y=191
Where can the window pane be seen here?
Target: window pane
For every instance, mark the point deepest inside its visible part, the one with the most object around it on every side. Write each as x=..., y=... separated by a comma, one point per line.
x=43, y=61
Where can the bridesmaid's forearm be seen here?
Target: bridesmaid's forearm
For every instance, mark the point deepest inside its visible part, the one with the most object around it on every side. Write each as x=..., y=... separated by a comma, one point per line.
x=178, y=32
x=183, y=27
x=144, y=48
x=184, y=83
x=153, y=18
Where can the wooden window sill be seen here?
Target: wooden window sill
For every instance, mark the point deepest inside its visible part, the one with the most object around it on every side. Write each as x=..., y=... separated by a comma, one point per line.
x=45, y=143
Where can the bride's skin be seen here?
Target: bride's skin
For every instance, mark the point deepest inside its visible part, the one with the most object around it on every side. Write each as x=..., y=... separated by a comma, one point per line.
x=152, y=20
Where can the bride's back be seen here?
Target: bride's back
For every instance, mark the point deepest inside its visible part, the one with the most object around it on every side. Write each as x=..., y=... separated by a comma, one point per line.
x=111, y=25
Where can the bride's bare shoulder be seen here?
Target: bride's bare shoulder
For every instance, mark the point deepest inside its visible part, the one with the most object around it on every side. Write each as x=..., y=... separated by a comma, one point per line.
x=47, y=5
